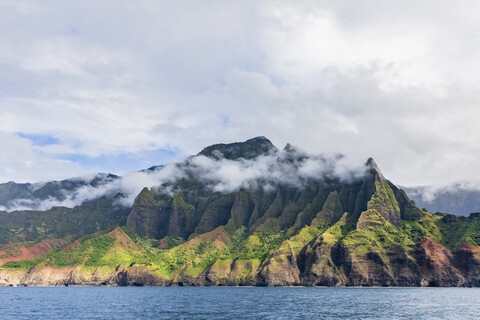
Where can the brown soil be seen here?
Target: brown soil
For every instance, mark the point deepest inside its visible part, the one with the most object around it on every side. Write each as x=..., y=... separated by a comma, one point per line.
x=124, y=242
x=27, y=253
x=218, y=235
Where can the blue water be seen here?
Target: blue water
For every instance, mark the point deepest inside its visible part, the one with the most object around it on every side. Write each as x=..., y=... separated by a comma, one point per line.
x=238, y=303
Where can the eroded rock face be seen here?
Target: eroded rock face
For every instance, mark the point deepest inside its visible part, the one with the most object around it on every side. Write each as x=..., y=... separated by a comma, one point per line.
x=322, y=231
x=141, y=276
x=467, y=261
x=48, y=276
x=405, y=269
x=320, y=268
x=150, y=216
x=219, y=273
x=382, y=207
x=71, y=276
x=233, y=273
x=318, y=264
x=437, y=265
x=280, y=270
x=365, y=269
x=10, y=278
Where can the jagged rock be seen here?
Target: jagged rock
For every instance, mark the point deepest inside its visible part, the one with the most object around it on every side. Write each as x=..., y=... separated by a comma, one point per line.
x=320, y=268
x=281, y=269
x=382, y=206
x=365, y=269
x=437, y=265
x=12, y=278
x=320, y=231
x=141, y=276
x=48, y=276
x=331, y=211
x=219, y=272
x=405, y=269
x=467, y=261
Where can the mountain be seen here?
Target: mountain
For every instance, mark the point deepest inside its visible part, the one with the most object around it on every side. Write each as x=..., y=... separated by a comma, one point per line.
x=18, y=195
x=457, y=198
x=249, y=149
x=41, y=212
x=247, y=214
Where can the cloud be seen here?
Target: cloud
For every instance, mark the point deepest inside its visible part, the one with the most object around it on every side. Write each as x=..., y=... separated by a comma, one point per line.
x=288, y=167
x=22, y=160
x=394, y=81
x=429, y=194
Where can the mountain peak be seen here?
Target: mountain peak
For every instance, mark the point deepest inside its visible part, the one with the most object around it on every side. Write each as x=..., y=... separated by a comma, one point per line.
x=373, y=168
x=249, y=149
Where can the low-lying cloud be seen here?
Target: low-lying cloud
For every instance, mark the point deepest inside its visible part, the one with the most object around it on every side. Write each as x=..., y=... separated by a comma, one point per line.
x=429, y=194
x=289, y=167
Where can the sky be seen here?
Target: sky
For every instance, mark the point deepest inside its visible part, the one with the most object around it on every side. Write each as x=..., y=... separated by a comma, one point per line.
x=116, y=86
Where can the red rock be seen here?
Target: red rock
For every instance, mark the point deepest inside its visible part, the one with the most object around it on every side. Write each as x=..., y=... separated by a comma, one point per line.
x=437, y=265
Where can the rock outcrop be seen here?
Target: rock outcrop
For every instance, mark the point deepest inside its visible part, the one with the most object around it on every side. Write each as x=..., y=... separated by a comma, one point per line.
x=319, y=230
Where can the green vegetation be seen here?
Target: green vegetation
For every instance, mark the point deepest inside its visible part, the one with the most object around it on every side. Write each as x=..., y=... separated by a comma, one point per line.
x=12, y=251
x=59, y=259
x=384, y=197
x=255, y=246
x=22, y=264
x=248, y=149
x=59, y=222
x=243, y=253
x=147, y=198
x=459, y=230
x=268, y=228
x=336, y=232
x=205, y=253
x=90, y=252
x=99, y=247
x=386, y=239
x=426, y=226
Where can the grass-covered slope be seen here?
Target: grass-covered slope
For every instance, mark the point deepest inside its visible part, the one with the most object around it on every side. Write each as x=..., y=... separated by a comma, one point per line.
x=58, y=222
x=414, y=253
x=323, y=231
x=36, y=224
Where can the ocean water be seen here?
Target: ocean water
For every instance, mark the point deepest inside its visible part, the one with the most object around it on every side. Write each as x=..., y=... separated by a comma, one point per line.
x=238, y=303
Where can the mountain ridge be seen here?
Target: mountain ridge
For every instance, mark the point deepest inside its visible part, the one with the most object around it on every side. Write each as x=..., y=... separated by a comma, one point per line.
x=280, y=224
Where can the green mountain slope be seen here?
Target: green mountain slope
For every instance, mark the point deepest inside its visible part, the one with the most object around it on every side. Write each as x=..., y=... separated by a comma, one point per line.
x=316, y=229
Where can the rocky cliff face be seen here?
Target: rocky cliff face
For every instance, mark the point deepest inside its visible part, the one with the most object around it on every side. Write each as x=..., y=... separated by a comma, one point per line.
x=308, y=258
x=313, y=230
x=192, y=207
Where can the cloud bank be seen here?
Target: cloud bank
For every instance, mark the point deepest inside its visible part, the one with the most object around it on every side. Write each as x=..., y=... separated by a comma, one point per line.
x=291, y=167
x=429, y=194
x=393, y=80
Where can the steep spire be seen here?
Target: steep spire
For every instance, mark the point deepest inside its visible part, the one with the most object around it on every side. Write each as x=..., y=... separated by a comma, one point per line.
x=373, y=168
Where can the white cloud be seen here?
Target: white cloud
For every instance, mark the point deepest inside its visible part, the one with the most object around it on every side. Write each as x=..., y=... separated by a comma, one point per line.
x=393, y=80
x=293, y=167
x=21, y=161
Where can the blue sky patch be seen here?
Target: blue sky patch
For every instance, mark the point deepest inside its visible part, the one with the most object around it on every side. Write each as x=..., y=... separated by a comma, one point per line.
x=39, y=139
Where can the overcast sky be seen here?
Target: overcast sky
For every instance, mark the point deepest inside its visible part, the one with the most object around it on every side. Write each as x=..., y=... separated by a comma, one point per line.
x=115, y=86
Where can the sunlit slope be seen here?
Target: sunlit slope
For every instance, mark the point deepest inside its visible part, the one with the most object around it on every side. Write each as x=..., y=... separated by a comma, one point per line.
x=281, y=217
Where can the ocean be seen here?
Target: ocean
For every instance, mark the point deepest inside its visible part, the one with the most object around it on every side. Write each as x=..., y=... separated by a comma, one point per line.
x=238, y=303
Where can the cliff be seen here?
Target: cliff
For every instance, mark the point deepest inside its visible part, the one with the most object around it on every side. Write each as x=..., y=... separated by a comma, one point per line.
x=319, y=230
